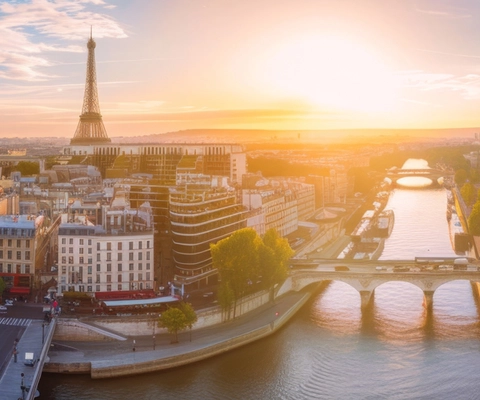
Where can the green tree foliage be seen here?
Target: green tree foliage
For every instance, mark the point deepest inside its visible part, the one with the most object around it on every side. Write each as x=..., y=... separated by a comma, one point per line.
x=174, y=320
x=468, y=193
x=27, y=168
x=236, y=259
x=190, y=315
x=474, y=220
x=461, y=176
x=2, y=286
x=274, y=256
x=244, y=258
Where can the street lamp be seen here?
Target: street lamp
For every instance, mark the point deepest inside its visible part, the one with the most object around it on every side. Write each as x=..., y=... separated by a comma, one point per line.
x=43, y=332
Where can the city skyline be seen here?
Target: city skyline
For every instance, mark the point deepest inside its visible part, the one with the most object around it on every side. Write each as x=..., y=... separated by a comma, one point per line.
x=166, y=66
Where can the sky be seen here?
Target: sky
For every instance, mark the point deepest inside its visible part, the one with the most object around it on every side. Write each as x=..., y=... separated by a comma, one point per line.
x=169, y=65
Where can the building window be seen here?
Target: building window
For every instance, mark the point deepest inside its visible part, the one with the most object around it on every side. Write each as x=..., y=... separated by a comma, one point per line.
x=140, y=266
x=9, y=243
x=119, y=256
x=119, y=267
x=64, y=250
x=131, y=278
x=130, y=256
x=119, y=278
x=27, y=255
x=148, y=255
x=139, y=256
x=148, y=266
x=97, y=278
x=1, y=253
x=140, y=245
x=130, y=267
x=119, y=246
x=109, y=256
x=109, y=246
x=19, y=243
x=80, y=260
x=89, y=242
x=89, y=279
x=70, y=241
x=27, y=243
x=89, y=269
x=19, y=255
x=98, y=246
x=98, y=267
x=147, y=276
x=109, y=267
x=89, y=288
x=97, y=288
x=140, y=277
x=89, y=251
x=98, y=257
x=109, y=278
x=130, y=245
x=80, y=242
x=64, y=240
x=70, y=250
x=80, y=250
x=119, y=287
x=9, y=254
x=109, y=288
x=70, y=259
x=64, y=259
x=148, y=244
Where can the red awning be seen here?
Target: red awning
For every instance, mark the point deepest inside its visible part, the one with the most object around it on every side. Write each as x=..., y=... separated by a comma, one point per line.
x=20, y=290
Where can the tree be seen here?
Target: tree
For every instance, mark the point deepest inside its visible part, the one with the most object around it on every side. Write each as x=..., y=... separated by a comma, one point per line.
x=190, y=315
x=468, y=193
x=236, y=259
x=274, y=256
x=474, y=220
x=2, y=286
x=27, y=168
x=460, y=177
x=173, y=320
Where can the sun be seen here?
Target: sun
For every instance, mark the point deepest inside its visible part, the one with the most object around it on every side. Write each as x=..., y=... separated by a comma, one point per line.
x=331, y=71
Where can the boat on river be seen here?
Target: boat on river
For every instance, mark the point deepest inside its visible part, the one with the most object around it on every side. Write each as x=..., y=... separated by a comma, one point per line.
x=365, y=249
x=384, y=224
x=459, y=239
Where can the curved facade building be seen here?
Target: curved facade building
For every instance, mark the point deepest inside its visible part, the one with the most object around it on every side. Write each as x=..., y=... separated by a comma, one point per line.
x=200, y=214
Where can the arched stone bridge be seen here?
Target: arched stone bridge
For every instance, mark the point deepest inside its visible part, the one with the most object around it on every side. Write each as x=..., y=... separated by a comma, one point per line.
x=433, y=174
x=366, y=283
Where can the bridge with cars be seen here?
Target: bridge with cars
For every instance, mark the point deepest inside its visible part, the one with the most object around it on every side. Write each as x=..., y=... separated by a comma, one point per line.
x=428, y=274
x=431, y=173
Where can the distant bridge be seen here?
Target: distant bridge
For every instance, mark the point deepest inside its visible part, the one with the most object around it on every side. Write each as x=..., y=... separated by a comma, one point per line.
x=431, y=173
x=366, y=276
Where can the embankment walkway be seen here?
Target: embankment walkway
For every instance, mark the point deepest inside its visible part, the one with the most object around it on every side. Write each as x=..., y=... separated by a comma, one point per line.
x=144, y=354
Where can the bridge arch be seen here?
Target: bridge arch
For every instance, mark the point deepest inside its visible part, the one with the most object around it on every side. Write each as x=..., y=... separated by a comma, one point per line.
x=366, y=283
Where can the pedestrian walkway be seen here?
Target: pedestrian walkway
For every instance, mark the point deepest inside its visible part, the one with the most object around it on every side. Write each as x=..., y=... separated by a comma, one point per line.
x=29, y=362
x=146, y=353
x=15, y=321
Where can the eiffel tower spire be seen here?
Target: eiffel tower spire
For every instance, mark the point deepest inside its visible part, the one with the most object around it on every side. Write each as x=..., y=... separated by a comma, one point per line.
x=90, y=128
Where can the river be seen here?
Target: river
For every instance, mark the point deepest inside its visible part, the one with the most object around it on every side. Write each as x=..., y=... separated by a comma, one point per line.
x=330, y=350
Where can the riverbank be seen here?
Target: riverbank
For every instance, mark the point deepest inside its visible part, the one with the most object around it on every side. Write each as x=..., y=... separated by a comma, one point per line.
x=142, y=354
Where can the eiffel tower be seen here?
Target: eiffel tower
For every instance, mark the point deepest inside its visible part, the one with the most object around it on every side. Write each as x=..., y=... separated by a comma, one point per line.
x=90, y=128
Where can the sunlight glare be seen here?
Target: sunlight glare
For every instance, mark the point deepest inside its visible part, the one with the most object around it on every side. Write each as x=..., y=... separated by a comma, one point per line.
x=331, y=71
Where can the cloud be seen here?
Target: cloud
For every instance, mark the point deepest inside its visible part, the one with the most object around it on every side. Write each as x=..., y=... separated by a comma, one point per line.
x=468, y=86
x=447, y=12
x=41, y=26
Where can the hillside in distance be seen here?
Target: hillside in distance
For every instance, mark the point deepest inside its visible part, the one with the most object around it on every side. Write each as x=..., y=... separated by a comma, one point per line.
x=296, y=136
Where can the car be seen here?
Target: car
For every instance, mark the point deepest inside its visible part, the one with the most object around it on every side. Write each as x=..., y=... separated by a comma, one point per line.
x=9, y=302
x=3, y=308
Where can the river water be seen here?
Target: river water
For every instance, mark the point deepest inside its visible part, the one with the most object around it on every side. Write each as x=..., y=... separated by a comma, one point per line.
x=330, y=350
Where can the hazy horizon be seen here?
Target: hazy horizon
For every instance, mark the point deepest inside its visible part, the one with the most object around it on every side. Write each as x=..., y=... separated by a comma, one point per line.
x=313, y=65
